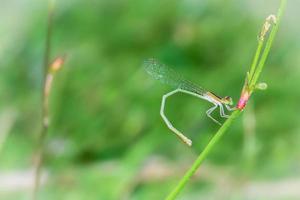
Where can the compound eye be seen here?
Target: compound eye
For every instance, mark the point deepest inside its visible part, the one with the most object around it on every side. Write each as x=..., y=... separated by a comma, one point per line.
x=228, y=100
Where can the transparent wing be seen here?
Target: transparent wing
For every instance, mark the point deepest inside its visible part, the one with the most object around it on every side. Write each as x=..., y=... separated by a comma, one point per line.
x=168, y=76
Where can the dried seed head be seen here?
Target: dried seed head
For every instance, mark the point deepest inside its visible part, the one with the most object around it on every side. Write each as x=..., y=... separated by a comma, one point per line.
x=271, y=19
x=57, y=64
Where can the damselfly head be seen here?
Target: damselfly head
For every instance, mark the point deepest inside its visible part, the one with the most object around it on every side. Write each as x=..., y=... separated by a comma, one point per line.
x=227, y=100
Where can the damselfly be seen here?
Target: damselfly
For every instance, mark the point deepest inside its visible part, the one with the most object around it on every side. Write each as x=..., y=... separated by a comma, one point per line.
x=169, y=76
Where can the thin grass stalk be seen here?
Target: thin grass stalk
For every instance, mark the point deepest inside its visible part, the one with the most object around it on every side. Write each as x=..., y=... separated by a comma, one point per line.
x=45, y=100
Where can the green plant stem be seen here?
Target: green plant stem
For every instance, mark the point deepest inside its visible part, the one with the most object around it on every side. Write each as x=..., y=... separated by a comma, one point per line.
x=44, y=129
x=255, y=59
x=203, y=155
x=255, y=71
x=268, y=46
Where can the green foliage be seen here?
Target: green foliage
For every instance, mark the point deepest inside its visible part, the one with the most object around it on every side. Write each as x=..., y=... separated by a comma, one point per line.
x=105, y=109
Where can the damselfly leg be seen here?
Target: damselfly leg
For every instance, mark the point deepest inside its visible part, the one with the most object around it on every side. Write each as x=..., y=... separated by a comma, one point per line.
x=222, y=113
x=229, y=108
x=209, y=111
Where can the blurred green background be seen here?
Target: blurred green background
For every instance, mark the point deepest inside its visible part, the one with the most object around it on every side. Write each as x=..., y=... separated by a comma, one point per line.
x=106, y=138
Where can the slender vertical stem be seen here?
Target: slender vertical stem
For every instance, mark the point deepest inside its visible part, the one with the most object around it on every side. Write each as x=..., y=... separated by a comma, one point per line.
x=48, y=38
x=44, y=128
x=255, y=59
